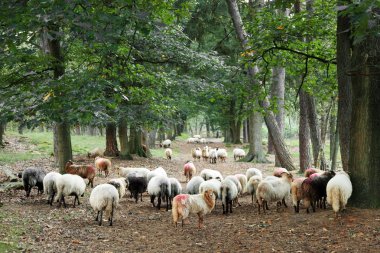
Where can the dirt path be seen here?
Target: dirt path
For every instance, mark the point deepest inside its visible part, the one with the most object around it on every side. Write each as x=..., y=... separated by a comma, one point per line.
x=37, y=227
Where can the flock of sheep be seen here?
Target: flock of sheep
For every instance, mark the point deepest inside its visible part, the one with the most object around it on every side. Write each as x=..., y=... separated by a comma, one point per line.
x=202, y=191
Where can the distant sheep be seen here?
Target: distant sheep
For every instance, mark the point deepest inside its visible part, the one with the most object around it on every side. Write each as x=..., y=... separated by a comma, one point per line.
x=31, y=177
x=50, y=186
x=275, y=190
x=137, y=184
x=185, y=204
x=213, y=155
x=69, y=185
x=166, y=143
x=196, y=153
x=192, y=186
x=95, y=152
x=252, y=172
x=207, y=174
x=125, y=171
x=238, y=153
x=168, y=153
x=104, y=197
x=222, y=154
x=192, y=140
x=189, y=170
x=103, y=164
x=205, y=153
x=84, y=171
x=160, y=187
x=339, y=190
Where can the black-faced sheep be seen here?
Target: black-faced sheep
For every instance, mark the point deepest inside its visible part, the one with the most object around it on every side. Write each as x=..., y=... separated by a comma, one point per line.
x=104, y=197
x=31, y=177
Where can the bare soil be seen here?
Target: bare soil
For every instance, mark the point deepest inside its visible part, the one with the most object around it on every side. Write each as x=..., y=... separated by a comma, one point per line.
x=30, y=225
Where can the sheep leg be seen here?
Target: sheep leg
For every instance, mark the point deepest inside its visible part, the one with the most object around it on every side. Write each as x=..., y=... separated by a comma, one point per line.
x=111, y=215
x=230, y=206
x=313, y=206
x=63, y=200
x=284, y=203
x=100, y=218
x=265, y=204
x=159, y=202
x=141, y=197
x=152, y=200
x=200, y=220
x=223, y=208
x=97, y=216
x=298, y=206
x=136, y=196
x=167, y=202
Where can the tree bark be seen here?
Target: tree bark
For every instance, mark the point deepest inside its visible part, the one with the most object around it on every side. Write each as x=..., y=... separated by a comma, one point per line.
x=132, y=137
x=152, y=138
x=335, y=149
x=111, y=141
x=123, y=139
x=304, y=134
x=2, y=130
x=144, y=142
x=343, y=57
x=63, y=145
x=280, y=147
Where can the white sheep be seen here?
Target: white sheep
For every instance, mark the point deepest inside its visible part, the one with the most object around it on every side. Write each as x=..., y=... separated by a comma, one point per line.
x=156, y=172
x=192, y=186
x=185, y=204
x=274, y=190
x=229, y=193
x=197, y=136
x=69, y=185
x=160, y=187
x=243, y=181
x=104, y=197
x=125, y=171
x=175, y=188
x=205, y=153
x=203, y=141
x=210, y=174
x=252, y=185
x=222, y=154
x=95, y=152
x=168, y=153
x=166, y=143
x=339, y=190
x=234, y=179
x=198, y=154
x=122, y=185
x=253, y=171
x=238, y=153
x=50, y=186
x=212, y=184
x=213, y=155
x=191, y=140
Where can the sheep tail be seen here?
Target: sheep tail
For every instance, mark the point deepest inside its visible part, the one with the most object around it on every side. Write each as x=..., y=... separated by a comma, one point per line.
x=175, y=211
x=336, y=199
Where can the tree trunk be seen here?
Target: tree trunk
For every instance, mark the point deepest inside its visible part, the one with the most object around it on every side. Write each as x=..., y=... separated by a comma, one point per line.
x=255, y=153
x=304, y=134
x=245, y=131
x=280, y=147
x=332, y=130
x=207, y=128
x=343, y=57
x=63, y=145
x=111, y=141
x=2, y=130
x=77, y=130
x=144, y=142
x=132, y=137
x=364, y=155
x=335, y=150
x=152, y=138
x=235, y=132
x=123, y=139
x=55, y=142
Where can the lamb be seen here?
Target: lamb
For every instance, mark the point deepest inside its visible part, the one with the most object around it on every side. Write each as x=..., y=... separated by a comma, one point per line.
x=166, y=143
x=238, y=153
x=160, y=187
x=273, y=190
x=278, y=171
x=243, y=181
x=31, y=177
x=137, y=183
x=205, y=153
x=122, y=185
x=85, y=171
x=213, y=155
x=212, y=184
x=192, y=186
x=104, y=197
x=69, y=185
x=314, y=190
x=222, y=154
x=168, y=153
x=50, y=187
x=103, y=164
x=297, y=193
x=95, y=152
x=158, y=171
x=207, y=174
x=252, y=185
x=229, y=193
x=185, y=204
x=189, y=170
x=252, y=172
x=175, y=188
x=125, y=171
x=339, y=190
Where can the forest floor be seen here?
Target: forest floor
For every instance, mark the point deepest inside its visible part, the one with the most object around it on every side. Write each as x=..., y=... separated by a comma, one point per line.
x=30, y=225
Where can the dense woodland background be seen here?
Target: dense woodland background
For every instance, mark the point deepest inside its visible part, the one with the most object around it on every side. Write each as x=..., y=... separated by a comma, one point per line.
x=143, y=71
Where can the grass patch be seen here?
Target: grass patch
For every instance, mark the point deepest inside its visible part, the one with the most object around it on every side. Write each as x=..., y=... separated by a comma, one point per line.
x=12, y=228
x=9, y=158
